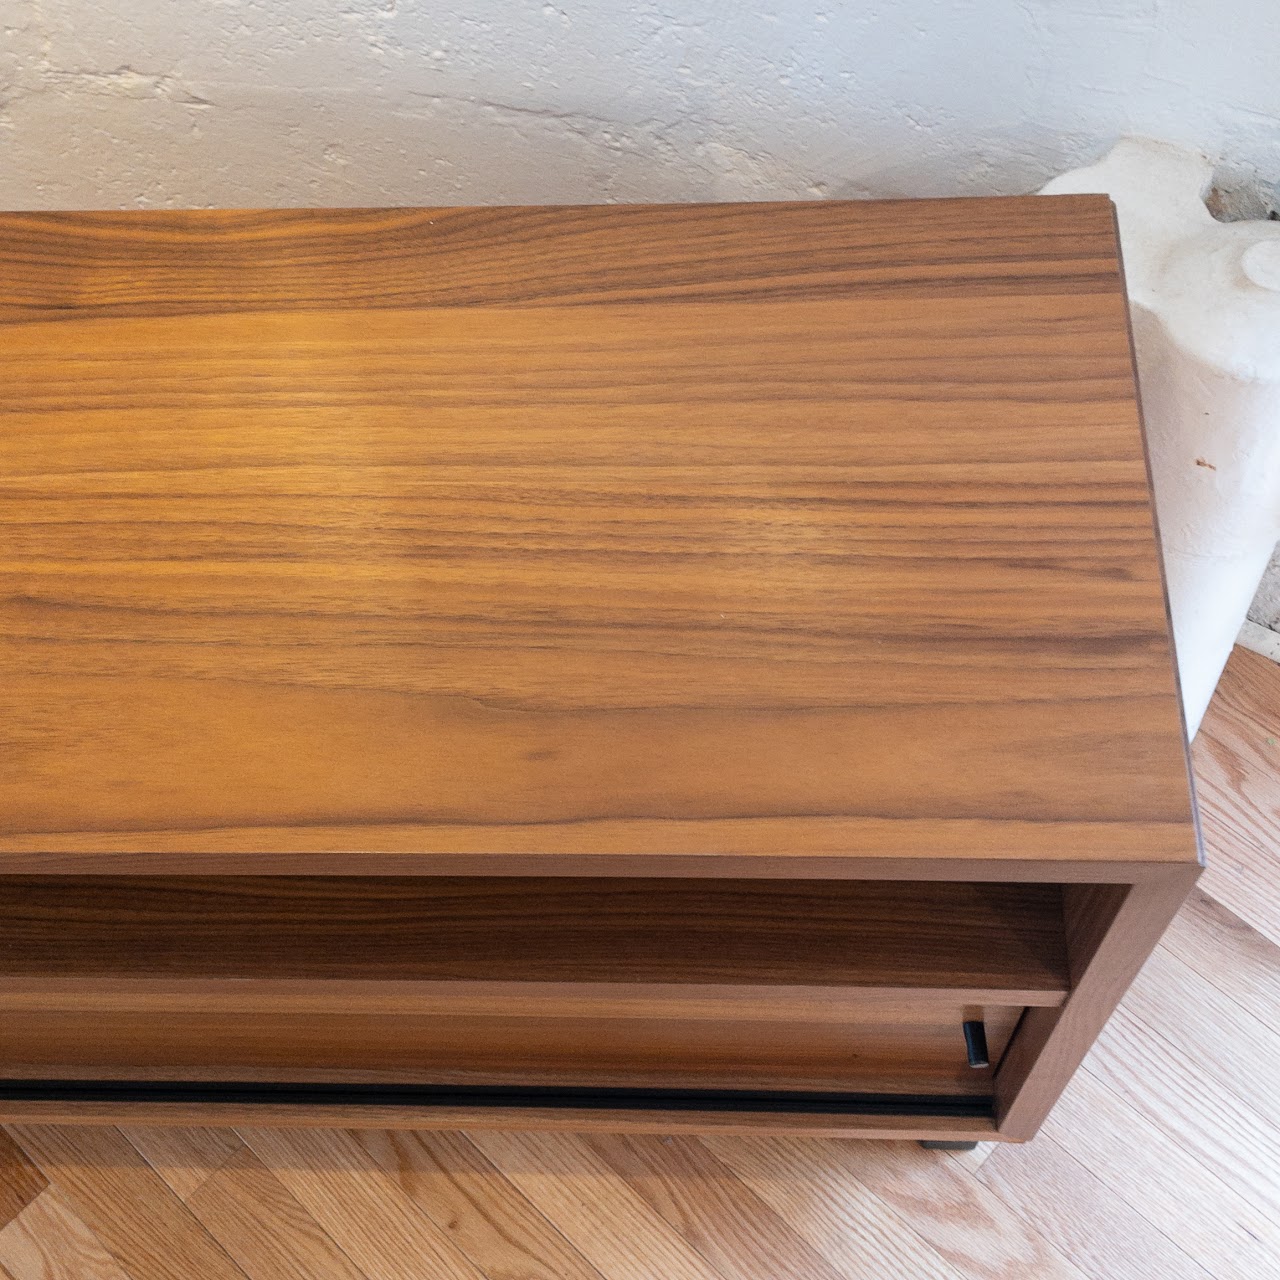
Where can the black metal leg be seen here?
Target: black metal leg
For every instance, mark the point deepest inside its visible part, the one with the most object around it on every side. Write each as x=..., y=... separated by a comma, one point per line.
x=947, y=1146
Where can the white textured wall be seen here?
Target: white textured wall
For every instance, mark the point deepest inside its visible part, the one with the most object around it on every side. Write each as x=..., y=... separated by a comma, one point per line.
x=262, y=102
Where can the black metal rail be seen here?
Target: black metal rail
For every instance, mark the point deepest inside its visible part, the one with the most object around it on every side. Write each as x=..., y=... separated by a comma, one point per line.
x=249, y=1093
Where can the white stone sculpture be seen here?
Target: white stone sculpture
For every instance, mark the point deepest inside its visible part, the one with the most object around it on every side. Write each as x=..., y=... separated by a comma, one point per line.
x=1205, y=299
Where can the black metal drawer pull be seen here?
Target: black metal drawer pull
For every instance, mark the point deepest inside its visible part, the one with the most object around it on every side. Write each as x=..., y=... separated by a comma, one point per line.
x=975, y=1043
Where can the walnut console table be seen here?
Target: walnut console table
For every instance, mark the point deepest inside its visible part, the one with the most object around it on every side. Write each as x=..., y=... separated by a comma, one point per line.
x=659, y=667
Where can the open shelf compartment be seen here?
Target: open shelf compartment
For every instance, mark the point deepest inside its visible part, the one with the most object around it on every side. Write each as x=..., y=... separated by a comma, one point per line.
x=506, y=982
x=972, y=940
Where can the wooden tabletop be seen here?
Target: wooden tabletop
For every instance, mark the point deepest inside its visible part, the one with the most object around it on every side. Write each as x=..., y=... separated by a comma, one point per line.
x=781, y=536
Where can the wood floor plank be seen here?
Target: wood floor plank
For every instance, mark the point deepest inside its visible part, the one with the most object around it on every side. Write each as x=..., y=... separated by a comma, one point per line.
x=20, y=1181
x=1237, y=765
x=49, y=1241
x=1183, y=1097
x=972, y=1161
x=1229, y=954
x=1069, y=1206
x=184, y=1157
x=961, y=1220
x=262, y=1226
x=125, y=1203
x=1145, y=1165
x=852, y=1228
x=1233, y=1049
x=592, y=1206
x=1241, y=875
x=718, y=1214
x=448, y=1177
x=360, y=1206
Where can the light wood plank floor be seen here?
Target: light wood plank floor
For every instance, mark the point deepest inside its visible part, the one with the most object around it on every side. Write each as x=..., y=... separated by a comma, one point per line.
x=1162, y=1161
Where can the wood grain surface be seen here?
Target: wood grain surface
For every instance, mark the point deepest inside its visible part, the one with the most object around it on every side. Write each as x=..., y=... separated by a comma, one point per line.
x=703, y=530
x=913, y=1047
x=1135, y=1174
x=1237, y=756
x=848, y=986
x=529, y=932
x=1110, y=935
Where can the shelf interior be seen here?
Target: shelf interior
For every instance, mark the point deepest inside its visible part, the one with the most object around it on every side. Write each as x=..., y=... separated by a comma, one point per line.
x=1001, y=941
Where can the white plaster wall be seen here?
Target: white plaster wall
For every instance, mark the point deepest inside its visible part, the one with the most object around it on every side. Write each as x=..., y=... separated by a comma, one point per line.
x=266, y=102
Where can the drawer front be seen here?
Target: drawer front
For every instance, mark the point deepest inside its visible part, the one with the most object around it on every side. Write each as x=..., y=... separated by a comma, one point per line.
x=883, y=1046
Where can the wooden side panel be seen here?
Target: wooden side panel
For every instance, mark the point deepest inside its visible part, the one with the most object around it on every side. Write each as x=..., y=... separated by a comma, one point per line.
x=1112, y=930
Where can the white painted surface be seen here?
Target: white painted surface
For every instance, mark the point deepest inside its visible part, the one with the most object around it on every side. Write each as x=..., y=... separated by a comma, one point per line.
x=264, y=102
x=1205, y=300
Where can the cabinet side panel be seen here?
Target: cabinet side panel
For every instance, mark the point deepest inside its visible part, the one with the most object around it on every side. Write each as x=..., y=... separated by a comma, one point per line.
x=1111, y=930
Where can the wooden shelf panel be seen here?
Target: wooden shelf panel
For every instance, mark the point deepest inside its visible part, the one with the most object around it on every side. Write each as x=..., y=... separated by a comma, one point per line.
x=882, y=1048
x=756, y=1002
x=554, y=935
